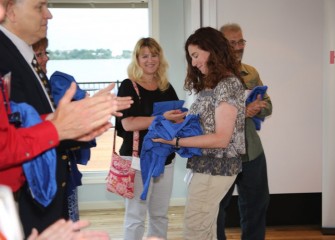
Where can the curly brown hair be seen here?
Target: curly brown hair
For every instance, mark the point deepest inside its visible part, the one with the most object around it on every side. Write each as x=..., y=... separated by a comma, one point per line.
x=221, y=62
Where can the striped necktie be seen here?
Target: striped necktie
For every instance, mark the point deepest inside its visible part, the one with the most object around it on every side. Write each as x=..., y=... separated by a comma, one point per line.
x=44, y=79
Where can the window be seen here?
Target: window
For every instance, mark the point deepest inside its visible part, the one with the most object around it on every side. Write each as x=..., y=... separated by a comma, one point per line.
x=93, y=43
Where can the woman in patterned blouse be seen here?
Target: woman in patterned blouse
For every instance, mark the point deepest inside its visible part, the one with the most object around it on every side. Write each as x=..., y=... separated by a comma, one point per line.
x=212, y=74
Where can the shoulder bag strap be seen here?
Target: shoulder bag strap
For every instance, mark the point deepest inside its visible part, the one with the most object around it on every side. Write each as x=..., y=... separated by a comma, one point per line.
x=136, y=134
x=114, y=139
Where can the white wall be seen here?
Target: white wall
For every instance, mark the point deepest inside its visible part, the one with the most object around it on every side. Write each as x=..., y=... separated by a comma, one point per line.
x=285, y=43
x=328, y=174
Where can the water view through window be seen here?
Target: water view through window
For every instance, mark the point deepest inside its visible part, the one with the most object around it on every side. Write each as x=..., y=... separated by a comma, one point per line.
x=76, y=36
x=94, y=45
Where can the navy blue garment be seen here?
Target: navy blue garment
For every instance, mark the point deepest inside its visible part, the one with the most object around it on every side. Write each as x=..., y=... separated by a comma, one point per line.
x=74, y=182
x=40, y=172
x=153, y=154
x=60, y=82
x=258, y=90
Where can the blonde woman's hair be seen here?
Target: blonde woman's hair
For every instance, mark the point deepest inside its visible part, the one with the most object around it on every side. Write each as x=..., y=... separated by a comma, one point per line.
x=135, y=72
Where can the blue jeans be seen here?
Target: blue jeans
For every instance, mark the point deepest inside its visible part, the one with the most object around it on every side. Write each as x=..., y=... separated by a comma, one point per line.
x=253, y=201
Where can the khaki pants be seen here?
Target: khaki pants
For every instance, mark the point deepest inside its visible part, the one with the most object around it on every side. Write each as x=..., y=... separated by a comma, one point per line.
x=202, y=206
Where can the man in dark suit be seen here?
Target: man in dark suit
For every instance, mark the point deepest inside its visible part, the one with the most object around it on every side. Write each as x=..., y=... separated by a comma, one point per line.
x=24, y=24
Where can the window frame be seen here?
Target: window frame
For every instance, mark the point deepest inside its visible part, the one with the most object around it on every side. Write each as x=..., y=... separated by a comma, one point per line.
x=98, y=176
x=98, y=4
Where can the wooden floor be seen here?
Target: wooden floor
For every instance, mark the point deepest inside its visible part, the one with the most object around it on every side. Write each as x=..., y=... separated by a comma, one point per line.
x=101, y=154
x=112, y=222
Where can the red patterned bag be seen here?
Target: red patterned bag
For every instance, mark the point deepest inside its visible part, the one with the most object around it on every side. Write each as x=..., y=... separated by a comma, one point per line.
x=120, y=178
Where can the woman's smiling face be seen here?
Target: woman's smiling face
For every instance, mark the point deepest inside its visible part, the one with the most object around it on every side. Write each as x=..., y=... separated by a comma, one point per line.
x=148, y=61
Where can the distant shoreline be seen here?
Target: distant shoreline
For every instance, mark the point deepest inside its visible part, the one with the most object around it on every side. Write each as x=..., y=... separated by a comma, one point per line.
x=81, y=54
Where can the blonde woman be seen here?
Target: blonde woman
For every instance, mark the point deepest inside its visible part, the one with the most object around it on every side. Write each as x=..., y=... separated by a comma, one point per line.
x=148, y=69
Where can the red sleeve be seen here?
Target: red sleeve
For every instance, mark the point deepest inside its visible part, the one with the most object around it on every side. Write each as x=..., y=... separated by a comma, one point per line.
x=20, y=145
x=44, y=116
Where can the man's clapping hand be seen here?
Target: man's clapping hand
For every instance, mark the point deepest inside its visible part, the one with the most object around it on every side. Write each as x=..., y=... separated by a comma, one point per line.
x=88, y=118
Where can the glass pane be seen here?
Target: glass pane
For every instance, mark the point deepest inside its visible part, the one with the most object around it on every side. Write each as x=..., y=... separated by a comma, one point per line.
x=75, y=33
x=94, y=46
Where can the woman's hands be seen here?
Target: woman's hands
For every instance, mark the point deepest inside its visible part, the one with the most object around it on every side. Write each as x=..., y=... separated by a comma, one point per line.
x=162, y=140
x=143, y=122
x=175, y=116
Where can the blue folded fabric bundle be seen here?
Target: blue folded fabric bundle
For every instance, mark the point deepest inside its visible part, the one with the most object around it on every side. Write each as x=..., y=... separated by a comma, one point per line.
x=258, y=90
x=40, y=172
x=153, y=155
x=162, y=107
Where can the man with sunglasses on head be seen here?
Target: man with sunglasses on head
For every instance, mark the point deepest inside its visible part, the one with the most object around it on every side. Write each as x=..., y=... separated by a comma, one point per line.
x=252, y=182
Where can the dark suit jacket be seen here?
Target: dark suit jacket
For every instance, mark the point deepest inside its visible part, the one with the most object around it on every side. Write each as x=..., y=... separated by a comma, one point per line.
x=25, y=87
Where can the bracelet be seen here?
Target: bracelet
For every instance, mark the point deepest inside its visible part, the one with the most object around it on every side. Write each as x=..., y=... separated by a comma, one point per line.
x=177, y=143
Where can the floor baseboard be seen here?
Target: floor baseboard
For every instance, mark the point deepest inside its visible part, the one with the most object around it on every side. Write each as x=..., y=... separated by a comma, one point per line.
x=328, y=231
x=285, y=209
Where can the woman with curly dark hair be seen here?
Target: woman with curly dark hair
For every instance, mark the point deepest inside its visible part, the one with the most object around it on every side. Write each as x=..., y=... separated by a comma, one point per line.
x=212, y=74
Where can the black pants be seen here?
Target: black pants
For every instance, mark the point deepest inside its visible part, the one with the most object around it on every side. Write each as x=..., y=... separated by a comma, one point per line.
x=253, y=200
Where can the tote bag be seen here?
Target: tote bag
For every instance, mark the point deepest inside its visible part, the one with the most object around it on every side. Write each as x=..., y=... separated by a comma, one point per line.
x=120, y=178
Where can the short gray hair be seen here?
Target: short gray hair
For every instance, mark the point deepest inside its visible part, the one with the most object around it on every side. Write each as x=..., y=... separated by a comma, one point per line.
x=231, y=27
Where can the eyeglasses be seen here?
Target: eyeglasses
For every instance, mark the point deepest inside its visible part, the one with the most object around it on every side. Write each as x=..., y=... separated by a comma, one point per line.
x=42, y=54
x=240, y=43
